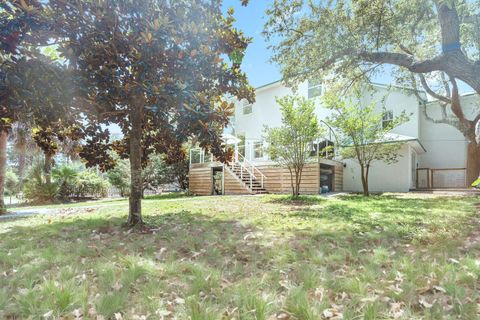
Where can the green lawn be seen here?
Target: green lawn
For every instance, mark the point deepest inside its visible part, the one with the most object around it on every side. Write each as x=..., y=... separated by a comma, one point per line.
x=391, y=256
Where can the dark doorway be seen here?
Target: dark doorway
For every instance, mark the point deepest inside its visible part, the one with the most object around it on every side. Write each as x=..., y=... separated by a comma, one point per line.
x=217, y=181
x=326, y=178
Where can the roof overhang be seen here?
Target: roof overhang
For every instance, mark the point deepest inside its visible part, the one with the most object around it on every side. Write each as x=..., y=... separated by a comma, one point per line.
x=402, y=139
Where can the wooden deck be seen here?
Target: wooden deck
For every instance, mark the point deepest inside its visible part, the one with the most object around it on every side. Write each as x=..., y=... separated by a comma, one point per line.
x=277, y=178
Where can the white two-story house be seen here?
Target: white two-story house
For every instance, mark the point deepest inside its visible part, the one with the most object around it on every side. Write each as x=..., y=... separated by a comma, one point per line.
x=432, y=155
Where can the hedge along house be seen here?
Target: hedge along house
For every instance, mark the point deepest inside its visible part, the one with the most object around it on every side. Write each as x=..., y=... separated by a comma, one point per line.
x=432, y=155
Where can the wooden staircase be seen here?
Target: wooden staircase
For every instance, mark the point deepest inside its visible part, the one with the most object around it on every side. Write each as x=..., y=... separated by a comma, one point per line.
x=248, y=175
x=248, y=179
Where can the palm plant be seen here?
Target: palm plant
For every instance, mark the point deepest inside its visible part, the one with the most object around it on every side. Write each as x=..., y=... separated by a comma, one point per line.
x=24, y=147
x=65, y=176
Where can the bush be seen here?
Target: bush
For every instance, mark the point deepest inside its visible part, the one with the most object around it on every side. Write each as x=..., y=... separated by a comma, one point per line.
x=65, y=176
x=119, y=176
x=476, y=183
x=69, y=182
x=36, y=189
x=11, y=183
x=89, y=184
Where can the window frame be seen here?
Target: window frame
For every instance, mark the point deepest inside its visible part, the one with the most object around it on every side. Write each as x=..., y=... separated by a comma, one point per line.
x=245, y=105
x=387, y=118
x=312, y=87
x=259, y=145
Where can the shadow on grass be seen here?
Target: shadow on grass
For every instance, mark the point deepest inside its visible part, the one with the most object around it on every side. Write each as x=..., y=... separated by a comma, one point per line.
x=296, y=201
x=386, y=216
x=171, y=195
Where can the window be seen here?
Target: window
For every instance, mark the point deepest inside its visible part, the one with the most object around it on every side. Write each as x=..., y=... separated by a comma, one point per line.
x=387, y=119
x=247, y=107
x=258, y=150
x=314, y=88
x=324, y=149
x=241, y=144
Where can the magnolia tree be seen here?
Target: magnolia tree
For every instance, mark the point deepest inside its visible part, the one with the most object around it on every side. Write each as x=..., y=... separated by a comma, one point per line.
x=159, y=70
x=35, y=90
x=290, y=144
x=362, y=133
x=432, y=44
x=38, y=94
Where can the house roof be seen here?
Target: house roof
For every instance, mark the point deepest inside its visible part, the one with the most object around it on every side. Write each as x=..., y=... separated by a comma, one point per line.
x=375, y=84
x=396, y=138
x=414, y=142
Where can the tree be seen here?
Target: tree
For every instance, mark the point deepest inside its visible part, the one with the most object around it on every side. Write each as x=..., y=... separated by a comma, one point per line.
x=119, y=176
x=432, y=43
x=11, y=184
x=290, y=144
x=34, y=89
x=158, y=70
x=162, y=171
x=24, y=148
x=361, y=131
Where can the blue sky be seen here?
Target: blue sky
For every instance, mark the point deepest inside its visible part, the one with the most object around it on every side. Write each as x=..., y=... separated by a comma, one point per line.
x=250, y=20
x=256, y=63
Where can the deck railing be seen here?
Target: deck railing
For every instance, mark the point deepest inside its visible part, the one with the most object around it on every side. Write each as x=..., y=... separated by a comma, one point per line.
x=248, y=166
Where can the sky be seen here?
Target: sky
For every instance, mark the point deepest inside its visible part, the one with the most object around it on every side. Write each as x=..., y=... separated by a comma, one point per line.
x=250, y=20
x=256, y=64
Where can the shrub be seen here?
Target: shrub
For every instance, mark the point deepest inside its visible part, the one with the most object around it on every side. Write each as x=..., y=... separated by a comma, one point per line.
x=89, y=184
x=36, y=189
x=65, y=176
x=476, y=183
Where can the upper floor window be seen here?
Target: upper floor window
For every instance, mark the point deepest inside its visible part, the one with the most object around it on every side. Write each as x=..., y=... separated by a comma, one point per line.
x=387, y=119
x=247, y=107
x=324, y=149
x=258, y=150
x=314, y=88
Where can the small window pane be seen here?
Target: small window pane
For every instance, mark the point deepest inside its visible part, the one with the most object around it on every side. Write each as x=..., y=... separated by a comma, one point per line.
x=314, y=88
x=387, y=119
x=247, y=107
x=258, y=150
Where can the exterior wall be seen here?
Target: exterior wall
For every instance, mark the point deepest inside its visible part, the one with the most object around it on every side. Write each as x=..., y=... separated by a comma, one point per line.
x=278, y=179
x=337, y=175
x=200, y=179
x=383, y=177
x=446, y=146
x=266, y=112
x=232, y=185
x=396, y=100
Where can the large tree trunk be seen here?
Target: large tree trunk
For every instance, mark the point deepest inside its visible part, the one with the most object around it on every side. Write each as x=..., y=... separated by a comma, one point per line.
x=3, y=168
x=473, y=162
x=136, y=180
x=22, y=161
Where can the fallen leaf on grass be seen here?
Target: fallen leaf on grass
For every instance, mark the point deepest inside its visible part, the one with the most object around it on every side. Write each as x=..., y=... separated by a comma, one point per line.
x=332, y=314
x=424, y=303
x=117, y=286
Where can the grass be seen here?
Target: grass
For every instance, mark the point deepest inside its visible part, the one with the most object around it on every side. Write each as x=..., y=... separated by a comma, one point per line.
x=270, y=257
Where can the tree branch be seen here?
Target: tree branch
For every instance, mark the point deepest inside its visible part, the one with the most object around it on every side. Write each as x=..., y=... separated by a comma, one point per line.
x=431, y=92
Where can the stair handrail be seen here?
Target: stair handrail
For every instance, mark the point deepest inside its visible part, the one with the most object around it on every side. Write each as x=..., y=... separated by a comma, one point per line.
x=253, y=169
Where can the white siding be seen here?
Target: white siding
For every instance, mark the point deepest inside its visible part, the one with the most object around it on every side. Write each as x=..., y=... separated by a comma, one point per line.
x=446, y=146
x=383, y=177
